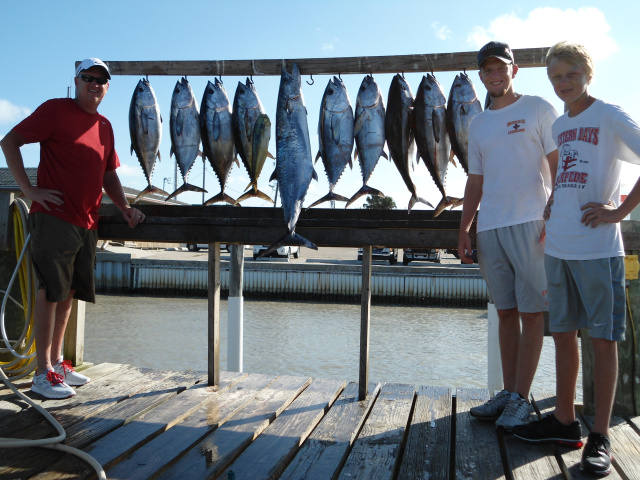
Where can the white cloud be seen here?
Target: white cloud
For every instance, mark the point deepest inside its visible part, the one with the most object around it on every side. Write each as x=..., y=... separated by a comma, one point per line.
x=329, y=45
x=10, y=113
x=442, y=31
x=547, y=25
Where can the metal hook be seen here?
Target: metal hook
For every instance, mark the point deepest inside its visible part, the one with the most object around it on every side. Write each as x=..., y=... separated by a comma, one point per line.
x=339, y=76
x=251, y=78
x=220, y=79
x=312, y=80
x=403, y=75
x=147, y=78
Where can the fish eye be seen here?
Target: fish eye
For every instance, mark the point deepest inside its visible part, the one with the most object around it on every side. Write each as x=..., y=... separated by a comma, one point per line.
x=140, y=89
x=177, y=90
x=330, y=91
x=210, y=90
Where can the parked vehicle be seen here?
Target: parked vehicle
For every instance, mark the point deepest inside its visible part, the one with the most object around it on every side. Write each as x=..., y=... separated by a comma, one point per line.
x=286, y=251
x=380, y=253
x=474, y=254
x=421, y=254
x=194, y=247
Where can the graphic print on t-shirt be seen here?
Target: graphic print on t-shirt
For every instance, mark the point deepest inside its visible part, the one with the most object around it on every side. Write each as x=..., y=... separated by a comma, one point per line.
x=571, y=175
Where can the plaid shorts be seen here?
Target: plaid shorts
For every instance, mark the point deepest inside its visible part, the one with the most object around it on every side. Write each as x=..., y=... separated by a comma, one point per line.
x=64, y=257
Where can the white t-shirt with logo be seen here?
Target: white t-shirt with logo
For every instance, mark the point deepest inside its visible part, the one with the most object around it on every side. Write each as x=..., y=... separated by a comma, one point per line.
x=509, y=147
x=591, y=146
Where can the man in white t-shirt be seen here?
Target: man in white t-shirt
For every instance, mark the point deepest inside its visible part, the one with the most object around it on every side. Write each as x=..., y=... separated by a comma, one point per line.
x=511, y=152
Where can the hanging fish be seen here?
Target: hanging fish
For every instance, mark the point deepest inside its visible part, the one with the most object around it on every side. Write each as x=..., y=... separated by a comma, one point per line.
x=399, y=133
x=369, y=134
x=432, y=138
x=145, y=127
x=462, y=107
x=184, y=127
x=216, y=130
x=252, y=132
x=294, y=164
x=335, y=136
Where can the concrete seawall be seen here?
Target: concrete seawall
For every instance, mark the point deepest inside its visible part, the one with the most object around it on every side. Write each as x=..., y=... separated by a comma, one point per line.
x=311, y=279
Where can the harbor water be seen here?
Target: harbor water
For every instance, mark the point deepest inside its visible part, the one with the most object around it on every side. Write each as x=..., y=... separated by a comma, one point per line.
x=416, y=345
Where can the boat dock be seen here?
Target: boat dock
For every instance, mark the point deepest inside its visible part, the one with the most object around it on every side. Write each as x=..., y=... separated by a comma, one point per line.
x=141, y=424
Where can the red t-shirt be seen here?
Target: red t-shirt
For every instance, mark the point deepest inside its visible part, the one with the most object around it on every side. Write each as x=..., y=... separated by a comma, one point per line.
x=76, y=148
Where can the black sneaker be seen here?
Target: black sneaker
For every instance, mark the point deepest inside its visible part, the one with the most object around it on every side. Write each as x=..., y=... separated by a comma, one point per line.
x=549, y=429
x=596, y=456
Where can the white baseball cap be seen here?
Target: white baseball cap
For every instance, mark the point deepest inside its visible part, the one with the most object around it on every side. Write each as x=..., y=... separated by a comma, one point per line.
x=87, y=63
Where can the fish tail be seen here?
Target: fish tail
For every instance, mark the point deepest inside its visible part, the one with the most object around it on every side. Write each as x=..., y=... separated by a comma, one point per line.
x=254, y=193
x=331, y=196
x=221, y=197
x=291, y=238
x=365, y=190
x=186, y=187
x=415, y=199
x=148, y=191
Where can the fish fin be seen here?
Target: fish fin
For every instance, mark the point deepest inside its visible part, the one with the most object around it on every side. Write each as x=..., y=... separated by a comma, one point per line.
x=436, y=126
x=270, y=156
x=384, y=154
x=221, y=197
x=235, y=159
x=289, y=239
x=131, y=149
x=356, y=154
x=289, y=107
x=254, y=193
x=418, y=156
x=216, y=128
x=319, y=155
x=314, y=175
x=415, y=199
x=171, y=151
x=359, y=123
x=331, y=196
x=350, y=162
x=335, y=128
x=451, y=158
x=145, y=123
x=365, y=190
x=179, y=122
x=159, y=158
x=149, y=190
x=274, y=176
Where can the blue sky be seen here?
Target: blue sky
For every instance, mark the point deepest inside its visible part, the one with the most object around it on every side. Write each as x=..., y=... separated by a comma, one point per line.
x=43, y=40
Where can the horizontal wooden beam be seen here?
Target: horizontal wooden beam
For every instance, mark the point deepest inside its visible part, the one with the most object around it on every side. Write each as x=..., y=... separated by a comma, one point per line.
x=325, y=227
x=428, y=62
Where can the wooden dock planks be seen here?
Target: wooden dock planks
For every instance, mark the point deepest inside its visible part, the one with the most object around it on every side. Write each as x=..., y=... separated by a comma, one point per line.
x=428, y=447
x=325, y=451
x=172, y=425
x=378, y=448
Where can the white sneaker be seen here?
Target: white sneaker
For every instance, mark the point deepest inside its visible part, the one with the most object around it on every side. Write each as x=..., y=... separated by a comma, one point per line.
x=69, y=374
x=516, y=412
x=51, y=385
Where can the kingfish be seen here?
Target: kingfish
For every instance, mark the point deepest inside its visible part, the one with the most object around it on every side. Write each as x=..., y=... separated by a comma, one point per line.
x=145, y=127
x=184, y=126
x=294, y=164
x=399, y=133
x=462, y=107
x=335, y=136
x=252, y=132
x=217, y=136
x=432, y=138
x=369, y=134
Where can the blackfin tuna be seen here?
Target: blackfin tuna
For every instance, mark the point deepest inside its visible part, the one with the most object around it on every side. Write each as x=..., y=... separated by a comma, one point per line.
x=462, y=107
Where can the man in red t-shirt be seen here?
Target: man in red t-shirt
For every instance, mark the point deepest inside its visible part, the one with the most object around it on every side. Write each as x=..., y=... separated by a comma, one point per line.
x=77, y=160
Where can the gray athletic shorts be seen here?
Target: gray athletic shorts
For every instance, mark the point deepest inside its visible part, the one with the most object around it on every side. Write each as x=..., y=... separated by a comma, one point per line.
x=64, y=257
x=512, y=263
x=587, y=294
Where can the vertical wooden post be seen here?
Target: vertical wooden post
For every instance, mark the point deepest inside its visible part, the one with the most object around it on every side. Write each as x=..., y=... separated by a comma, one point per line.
x=73, y=349
x=214, y=314
x=235, y=309
x=365, y=317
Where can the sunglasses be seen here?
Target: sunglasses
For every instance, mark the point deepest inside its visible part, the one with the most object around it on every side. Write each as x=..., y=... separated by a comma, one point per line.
x=98, y=80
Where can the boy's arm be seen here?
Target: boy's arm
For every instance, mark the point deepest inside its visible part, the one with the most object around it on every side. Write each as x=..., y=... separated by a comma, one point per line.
x=472, y=197
x=596, y=213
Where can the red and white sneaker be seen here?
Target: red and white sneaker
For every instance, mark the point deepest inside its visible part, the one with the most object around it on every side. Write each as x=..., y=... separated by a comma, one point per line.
x=51, y=385
x=69, y=374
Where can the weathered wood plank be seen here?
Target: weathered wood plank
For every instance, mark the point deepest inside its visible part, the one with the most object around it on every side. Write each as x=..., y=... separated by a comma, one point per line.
x=477, y=449
x=365, y=321
x=529, y=462
x=625, y=446
x=81, y=434
x=376, y=452
x=428, y=447
x=322, y=455
x=210, y=457
x=269, y=454
x=213, y=316
x=160, y=452
x=112, y=447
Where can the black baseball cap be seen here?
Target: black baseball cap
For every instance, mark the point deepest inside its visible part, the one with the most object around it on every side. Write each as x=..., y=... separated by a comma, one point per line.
x=498, y=50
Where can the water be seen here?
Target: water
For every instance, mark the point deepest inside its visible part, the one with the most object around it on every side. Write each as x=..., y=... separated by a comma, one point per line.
x=417, y=345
